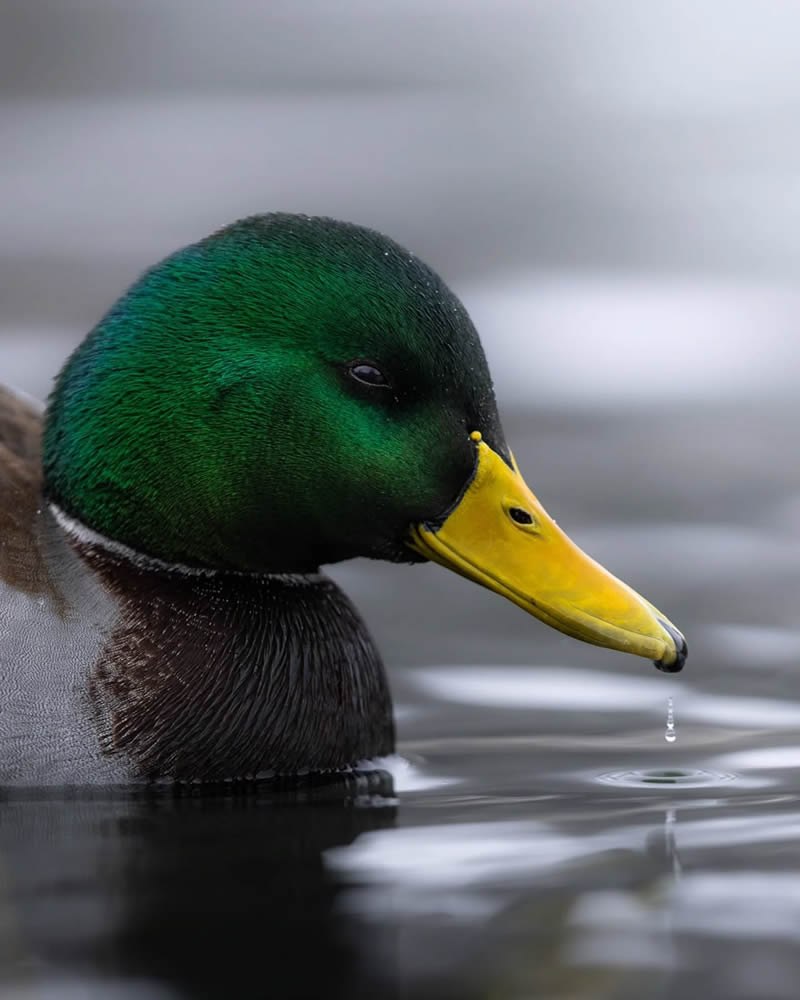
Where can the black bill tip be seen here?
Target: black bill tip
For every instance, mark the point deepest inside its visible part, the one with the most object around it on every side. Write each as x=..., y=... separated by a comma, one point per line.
x=682, y=650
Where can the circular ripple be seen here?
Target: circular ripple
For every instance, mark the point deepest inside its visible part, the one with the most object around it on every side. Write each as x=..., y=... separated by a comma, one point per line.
x=667, y=778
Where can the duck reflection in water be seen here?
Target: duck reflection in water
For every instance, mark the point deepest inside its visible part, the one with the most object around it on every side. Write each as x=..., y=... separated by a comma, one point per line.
x=212, y=896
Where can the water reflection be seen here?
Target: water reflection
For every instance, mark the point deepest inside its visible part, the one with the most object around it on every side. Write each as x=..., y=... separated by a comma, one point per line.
x=417, y=863
x=567, y=690
x=755, y=910
x=546, y=898
x=764, y=758
x=180, y=896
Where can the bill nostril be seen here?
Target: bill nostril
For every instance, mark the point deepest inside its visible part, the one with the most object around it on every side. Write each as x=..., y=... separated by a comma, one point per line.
x=520, y=515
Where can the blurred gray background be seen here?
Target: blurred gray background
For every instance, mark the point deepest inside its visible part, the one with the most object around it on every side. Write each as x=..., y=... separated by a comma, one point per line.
x=612, y=187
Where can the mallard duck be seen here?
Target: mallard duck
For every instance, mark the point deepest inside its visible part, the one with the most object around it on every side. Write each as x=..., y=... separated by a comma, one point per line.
x=288, y=392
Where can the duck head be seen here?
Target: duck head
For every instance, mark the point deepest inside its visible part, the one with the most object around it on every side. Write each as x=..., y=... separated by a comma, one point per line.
x=294, y=391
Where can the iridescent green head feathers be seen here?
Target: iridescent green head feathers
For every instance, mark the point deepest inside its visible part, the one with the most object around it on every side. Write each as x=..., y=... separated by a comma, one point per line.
x=287, y=392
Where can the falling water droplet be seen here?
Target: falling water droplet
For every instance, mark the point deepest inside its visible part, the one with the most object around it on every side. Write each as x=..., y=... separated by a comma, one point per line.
x=670, y=735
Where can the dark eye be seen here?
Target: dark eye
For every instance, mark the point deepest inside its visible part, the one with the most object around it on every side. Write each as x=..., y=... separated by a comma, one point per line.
x=361, y=371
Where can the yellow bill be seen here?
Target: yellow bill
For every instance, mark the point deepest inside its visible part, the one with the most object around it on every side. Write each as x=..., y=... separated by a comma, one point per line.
x=500, y=536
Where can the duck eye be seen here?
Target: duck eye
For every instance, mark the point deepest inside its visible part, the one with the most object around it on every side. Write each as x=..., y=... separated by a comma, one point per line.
x=368, y=374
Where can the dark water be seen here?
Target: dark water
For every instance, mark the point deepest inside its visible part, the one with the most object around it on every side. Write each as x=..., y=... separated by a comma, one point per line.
x=540, y=839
